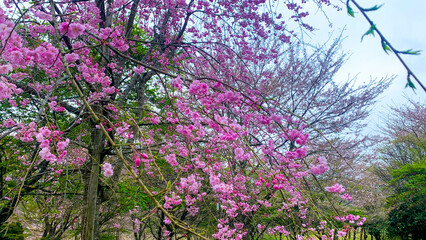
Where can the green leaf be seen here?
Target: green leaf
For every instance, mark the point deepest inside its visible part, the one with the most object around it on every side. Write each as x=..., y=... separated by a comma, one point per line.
x=350, y=10
x=410, y=52
x=372, y=8
x=369, y=32
x=385, y=46
x=410, y=83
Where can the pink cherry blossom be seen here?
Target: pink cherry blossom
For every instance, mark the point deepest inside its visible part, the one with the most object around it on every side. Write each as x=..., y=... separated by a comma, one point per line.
x=137, y=161
x=71, y=57
x=47, y=155
x=171, y=159
x=346, y=196
x=108, y=170
x=5, y=69
x=337, y=188
x=167, y=221
x=75, y=30
x=9, y=123
x=63, y=144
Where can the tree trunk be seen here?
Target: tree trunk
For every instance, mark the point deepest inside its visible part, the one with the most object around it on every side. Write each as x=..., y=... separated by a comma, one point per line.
x=91, y=178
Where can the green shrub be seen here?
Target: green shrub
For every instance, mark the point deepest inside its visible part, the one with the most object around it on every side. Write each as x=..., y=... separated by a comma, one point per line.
x=12, y=231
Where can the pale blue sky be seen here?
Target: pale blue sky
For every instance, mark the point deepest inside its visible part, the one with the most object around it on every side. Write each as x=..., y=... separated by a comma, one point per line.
x=403, y=22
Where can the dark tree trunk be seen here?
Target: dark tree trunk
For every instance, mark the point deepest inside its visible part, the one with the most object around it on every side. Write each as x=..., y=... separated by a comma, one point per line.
x=91, y=177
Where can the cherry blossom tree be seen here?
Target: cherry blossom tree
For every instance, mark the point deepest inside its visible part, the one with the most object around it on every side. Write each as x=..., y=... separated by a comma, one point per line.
x=160, y=95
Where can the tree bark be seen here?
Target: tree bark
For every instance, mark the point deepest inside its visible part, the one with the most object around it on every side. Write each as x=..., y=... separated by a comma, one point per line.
x=92, y=183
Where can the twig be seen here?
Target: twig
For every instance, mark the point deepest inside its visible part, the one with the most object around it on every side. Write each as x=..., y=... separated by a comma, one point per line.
x=385, y=43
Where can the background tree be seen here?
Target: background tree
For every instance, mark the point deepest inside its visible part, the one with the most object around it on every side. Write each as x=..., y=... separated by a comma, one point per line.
x=302, y=84
x=402, y=168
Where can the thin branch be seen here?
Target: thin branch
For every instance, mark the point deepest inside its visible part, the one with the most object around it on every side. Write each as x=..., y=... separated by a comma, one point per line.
x=386, y=43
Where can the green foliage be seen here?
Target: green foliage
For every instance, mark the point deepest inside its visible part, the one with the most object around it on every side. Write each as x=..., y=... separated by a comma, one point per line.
x=376, y=226
x=350, y=10
x=409, y=83
x=109, y=236
x=408, y=202
x=410, y=52
x=12, y=231
x=413, y=179
x=374, y=8
x=385, y=46
x=131, y=196
x=140, y=49
x=369, y=32
x=408, y=218
x=409, y=215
